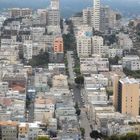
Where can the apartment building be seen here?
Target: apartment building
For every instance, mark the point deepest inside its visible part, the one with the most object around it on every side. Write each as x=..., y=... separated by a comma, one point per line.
x=8, y=130
x=98, y=47
x=17, y=12
x=84, y=46
x=58, y=45
x=126, y=96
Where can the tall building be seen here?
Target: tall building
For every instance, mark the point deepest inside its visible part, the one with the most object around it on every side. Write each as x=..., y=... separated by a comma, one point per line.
x=54, y=4
x=126, y=96
x=98, y=46
x=96, y=13
x=83, y=46
x=42, y=13
x=88, y=16
x=53, y=17
x=104, y=18
x=53, y=14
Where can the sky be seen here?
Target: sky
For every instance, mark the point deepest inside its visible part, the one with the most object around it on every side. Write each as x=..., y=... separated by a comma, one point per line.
x=69, y=7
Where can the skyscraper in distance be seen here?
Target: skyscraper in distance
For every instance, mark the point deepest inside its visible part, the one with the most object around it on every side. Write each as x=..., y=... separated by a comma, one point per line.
x=55, y=4
x=96, y=13
x=53, y=14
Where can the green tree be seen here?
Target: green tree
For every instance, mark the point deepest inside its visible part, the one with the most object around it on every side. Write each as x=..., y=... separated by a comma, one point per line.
x=111, y=39
x=131, y=24
x=43, y=138
x=79, y=80
x=69, y=42
x=113, y=137
x=82, y=132
x=131, y=136
x=42, y=59
x=135, y=74
x=95, y=134
x=114, y=61
x=78, y=111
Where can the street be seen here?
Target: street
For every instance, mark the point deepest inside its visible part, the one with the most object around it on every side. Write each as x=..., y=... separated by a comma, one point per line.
x=70, y=65
x=30, y=85
x=78, y=98
x=84, y=123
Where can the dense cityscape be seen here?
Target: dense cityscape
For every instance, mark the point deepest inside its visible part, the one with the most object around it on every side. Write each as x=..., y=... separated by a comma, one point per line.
x=74, y=78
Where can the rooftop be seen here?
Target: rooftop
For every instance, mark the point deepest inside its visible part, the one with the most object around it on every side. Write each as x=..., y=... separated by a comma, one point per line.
x=128, y=80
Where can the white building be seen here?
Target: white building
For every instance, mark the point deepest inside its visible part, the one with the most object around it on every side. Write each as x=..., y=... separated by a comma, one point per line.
x=54, y=4
x=42, y=13
x=98, y=63
x=96, y=15
x=115, y=52
x=98, y=47
x=96, y=79
x=88, y=16
x=125, y=42
x=4, y=86
x=53, y=17
x=83, y=46
x=131, y=62
x=28, y=50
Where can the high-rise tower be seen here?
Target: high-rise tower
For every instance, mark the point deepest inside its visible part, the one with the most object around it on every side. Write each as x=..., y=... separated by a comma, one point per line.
x=126, y=96
x=55, y=4
x=96, y=13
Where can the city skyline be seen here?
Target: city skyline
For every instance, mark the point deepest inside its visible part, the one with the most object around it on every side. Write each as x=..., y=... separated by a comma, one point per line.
x=70, y=7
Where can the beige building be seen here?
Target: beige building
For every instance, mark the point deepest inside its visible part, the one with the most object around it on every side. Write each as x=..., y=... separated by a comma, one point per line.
x=23, y=129
x=60, y=81
x=126, y=96
x=8, y=131
x=10, y=56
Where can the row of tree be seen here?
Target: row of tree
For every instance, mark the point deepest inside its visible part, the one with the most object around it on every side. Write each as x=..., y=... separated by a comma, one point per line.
x=129, y=136
x=42, y=59
x=135, y=74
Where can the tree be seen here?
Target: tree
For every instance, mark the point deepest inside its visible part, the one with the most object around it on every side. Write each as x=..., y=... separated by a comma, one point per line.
x=111, y=39
x=135, y=74
x=114, y=61
x=69, y=42
x=82, y=132
x=131, y=24
x=41, y=59
x=131, y=136
x=95, y=134
x=79, y=80
x=78, y=111
x=114, y=137
x=43, y=138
